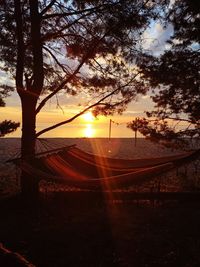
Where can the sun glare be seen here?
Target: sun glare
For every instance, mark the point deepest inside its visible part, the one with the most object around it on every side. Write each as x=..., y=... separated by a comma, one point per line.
x=89, y=131
x=88, y=117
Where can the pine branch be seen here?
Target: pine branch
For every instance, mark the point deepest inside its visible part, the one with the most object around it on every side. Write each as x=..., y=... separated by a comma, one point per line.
x=20, y=47
x=98, y=103
x=91, y=10
x=47, y=7
x=69, y=78
x=181, y=119
x=55, y=59
x=78, y=12
x=60, y=86
x=78, y=114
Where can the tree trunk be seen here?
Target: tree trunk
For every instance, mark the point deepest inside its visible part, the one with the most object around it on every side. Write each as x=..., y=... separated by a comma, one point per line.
x=29, y=97
x=29, y=183
x=30, y=92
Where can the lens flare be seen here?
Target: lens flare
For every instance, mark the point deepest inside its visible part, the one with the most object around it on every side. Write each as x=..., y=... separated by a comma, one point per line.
x=89, y=131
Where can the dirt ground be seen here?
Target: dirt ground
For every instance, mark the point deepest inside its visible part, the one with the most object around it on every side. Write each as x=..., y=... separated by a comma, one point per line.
x=63, y=230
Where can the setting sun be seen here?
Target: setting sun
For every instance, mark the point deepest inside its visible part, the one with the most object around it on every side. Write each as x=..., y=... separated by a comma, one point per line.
x=88, y=117
x=89, y=131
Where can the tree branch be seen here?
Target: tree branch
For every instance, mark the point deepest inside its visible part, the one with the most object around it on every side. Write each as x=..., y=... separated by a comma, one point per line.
x=55, y=59
x=68, y=79
x=69, y=120
x=100, y=102
x=54, y=35
x=73, y=13
x=60, y=86
x=77, y=115
x=47, y=7
x=20, y=47
x=78, y=12
x=181, y=119
x=89, y=12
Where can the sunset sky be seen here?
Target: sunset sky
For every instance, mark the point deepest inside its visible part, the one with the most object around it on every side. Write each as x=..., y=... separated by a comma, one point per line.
x=154, y=39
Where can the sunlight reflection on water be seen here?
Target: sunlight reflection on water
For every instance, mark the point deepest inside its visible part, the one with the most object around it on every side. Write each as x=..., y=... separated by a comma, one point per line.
x=89, y=131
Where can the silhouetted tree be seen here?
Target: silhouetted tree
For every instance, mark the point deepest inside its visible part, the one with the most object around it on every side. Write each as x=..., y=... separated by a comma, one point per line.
x=6, y=126
x=5, y=91
x=135, y=126
x=80, y=47
x=175, y=74
x=160, y=132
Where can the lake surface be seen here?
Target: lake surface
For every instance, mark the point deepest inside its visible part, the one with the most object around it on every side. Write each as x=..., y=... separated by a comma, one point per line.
x=116, y=147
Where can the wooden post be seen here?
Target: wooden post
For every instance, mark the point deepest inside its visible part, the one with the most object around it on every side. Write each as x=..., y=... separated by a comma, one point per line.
x=110, y=129
x=135, y=138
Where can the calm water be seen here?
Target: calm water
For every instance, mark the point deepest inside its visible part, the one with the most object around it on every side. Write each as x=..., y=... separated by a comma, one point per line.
x=116, y=147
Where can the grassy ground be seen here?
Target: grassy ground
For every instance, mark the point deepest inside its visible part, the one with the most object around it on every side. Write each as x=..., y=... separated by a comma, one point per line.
x=67, y=231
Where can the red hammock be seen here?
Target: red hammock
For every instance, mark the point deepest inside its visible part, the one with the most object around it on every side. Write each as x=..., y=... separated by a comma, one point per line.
x=75, y=167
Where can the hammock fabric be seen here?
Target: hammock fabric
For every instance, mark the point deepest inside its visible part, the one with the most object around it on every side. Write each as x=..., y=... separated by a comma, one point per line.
x=88, y=162
x=75, y=167
x=122, y=164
